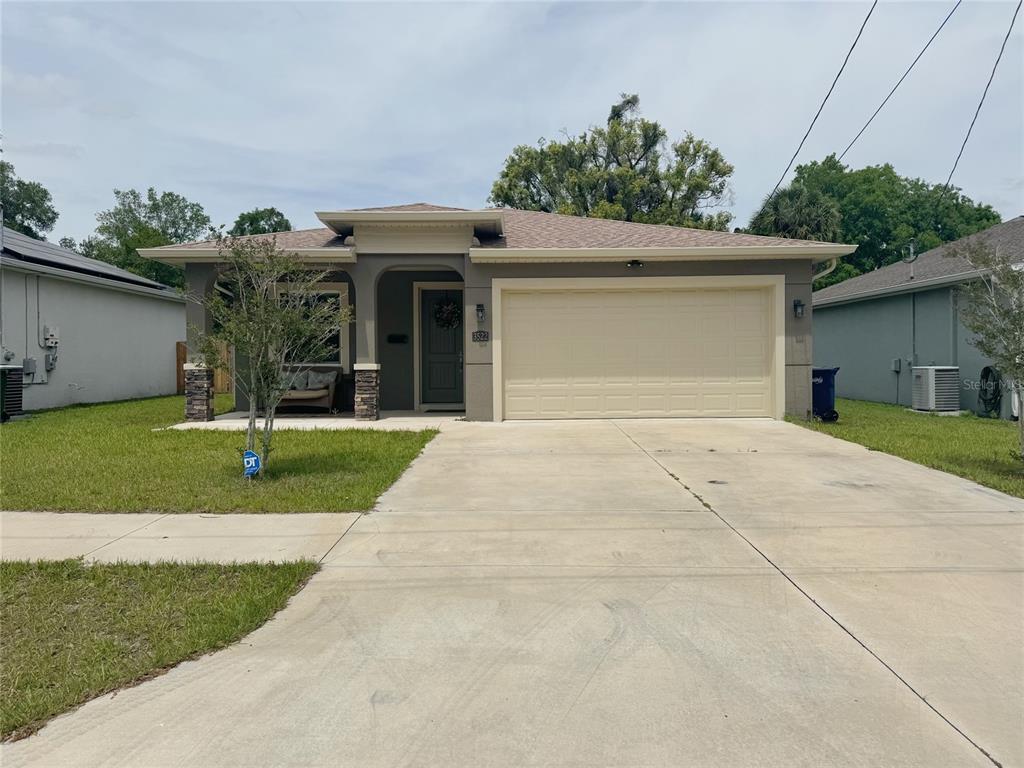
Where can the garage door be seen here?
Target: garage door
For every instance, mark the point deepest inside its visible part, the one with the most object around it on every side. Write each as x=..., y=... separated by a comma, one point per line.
x=636, y=353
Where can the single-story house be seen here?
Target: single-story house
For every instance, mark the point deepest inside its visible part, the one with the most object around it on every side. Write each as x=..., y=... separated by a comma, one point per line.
x=81, y=330
x=877, y=326
x=512, y=314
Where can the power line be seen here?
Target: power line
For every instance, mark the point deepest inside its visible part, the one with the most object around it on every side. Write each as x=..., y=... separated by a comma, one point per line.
x=900, y=81
x=984, y=94
x=832, y=88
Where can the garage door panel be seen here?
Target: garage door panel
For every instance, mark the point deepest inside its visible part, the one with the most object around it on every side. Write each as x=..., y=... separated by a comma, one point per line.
x=630, y=353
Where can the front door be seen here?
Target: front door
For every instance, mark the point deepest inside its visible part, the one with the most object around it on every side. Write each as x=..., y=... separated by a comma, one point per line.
x=441, y=331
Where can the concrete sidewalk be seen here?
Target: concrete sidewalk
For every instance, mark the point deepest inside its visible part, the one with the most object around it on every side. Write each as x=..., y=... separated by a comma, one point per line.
x=152, y=537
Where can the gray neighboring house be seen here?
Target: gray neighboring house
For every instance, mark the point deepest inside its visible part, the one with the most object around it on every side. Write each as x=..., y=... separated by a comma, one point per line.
x=909, y=313
x=92, y=331
x=512, y=314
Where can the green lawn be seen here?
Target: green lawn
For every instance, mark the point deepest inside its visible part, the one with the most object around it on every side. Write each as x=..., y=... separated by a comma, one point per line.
x=70, y=632
x=108, y=458
x=978, y=449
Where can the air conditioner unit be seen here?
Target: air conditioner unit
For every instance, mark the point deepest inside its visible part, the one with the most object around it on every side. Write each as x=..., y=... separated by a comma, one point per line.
x=11, y=384
x=936, y=388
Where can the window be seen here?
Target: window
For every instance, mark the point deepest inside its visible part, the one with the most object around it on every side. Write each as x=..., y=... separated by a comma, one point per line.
x=337, y=293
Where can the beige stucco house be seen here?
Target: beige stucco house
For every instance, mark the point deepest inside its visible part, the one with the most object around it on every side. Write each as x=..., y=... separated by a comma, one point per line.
x=510, y=314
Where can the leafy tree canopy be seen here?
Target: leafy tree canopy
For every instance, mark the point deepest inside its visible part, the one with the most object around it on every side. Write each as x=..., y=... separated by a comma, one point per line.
x=260, y=221
x=28, y=206
x=138, y=221
x=878, y=210
x=625, y=169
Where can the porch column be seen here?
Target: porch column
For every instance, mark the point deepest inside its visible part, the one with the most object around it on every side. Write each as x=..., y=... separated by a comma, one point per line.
x=367, y=405
x=367, y=369
x=199, y=281
x=198, y=392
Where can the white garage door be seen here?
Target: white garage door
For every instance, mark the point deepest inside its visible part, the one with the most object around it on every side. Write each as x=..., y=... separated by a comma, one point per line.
x=636, y=353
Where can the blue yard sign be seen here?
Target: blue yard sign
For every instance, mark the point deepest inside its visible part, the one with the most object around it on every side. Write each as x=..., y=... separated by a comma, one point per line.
x=251, y=463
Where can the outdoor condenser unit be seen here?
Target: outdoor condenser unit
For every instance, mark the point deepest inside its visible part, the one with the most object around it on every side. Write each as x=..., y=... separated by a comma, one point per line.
x=936, y=388
x=11, y=382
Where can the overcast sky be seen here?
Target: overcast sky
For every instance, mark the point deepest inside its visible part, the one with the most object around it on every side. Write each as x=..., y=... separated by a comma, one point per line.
x=307, y=106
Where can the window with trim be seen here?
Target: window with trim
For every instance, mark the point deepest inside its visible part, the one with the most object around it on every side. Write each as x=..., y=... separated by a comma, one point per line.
x=336, y=356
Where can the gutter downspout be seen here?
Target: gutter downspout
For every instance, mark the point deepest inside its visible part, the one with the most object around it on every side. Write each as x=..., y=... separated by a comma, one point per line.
x=832, y=264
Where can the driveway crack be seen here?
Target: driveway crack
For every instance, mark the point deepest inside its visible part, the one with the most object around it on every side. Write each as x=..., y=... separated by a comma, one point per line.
x=814, y=602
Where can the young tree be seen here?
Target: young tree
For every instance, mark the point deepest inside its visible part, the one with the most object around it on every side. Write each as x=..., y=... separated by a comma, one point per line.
x=620, y=170
x=272, y=312
x=992, y=308
x=260, y=221
x=28, y=206
x=138, y=221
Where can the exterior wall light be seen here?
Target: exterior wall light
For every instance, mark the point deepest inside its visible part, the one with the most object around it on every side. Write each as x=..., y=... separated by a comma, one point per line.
x=481, y=313
x=634, y=264
x=798, y=309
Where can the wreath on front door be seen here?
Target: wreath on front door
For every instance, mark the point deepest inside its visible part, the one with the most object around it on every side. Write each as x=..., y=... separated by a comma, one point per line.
x=448, y=314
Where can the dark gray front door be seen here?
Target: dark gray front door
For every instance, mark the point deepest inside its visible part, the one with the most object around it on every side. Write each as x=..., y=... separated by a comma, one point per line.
x=441, y=330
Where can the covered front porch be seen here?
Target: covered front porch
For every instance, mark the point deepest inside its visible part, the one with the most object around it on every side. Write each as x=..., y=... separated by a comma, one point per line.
x=401, y=356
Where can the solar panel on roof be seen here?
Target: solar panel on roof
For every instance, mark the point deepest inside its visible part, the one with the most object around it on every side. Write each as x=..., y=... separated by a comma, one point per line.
x=42, y=252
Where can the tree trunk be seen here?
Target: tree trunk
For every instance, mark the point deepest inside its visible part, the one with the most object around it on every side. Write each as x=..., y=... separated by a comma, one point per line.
x=268, y=433
x=250, y=430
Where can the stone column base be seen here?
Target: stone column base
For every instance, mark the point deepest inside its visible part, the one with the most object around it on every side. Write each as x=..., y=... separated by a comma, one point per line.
x=367, y=406
x=198, y=392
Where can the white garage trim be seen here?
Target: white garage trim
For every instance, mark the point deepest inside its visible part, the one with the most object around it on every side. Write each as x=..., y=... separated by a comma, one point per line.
x=775, y=283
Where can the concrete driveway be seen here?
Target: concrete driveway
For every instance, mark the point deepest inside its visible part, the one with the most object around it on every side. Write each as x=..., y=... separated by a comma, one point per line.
x=656, y=593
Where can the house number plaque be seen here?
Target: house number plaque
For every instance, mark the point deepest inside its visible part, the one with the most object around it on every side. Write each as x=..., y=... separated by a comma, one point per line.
x=481, y=336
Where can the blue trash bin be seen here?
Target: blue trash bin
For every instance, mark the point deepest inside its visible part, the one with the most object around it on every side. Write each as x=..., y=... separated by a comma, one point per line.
x=823, y=393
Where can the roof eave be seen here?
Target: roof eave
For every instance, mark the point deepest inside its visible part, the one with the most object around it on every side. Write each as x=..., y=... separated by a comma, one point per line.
x=894, y=290
x=124, y=286
x=815, y=253
x=179, y=256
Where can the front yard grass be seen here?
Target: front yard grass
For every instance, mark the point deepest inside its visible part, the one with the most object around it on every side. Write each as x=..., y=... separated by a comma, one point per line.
x=108, y=458
x=70, y=632
x=978, y=449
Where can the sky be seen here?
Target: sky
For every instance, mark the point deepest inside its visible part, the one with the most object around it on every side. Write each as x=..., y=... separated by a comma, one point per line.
x=308, y=106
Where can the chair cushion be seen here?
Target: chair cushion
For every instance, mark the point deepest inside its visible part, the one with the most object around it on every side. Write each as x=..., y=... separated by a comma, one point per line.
x=321, y=379
x=300, y=380
x=306, y=394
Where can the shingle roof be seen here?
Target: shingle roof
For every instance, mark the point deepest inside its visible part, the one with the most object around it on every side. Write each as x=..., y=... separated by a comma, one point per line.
x=934, y=265
x=536, y=229
x=29, y=250
x=411, y=207
x=320, y=237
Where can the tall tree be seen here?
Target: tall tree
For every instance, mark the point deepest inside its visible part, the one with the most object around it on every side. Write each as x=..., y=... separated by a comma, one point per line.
x=625, y=169
x=260, y=221
x=880, y=211
x=28, y=206
x=138, y=221
x=799, y=213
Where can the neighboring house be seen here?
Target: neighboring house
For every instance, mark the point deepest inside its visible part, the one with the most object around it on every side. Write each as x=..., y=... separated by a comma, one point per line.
x=876, y=326
x=91, y=331
x=510, y=314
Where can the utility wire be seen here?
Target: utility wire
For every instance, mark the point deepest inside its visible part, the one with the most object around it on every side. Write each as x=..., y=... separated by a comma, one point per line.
x=832, y=88
x=900, y=81
x=984, y=94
